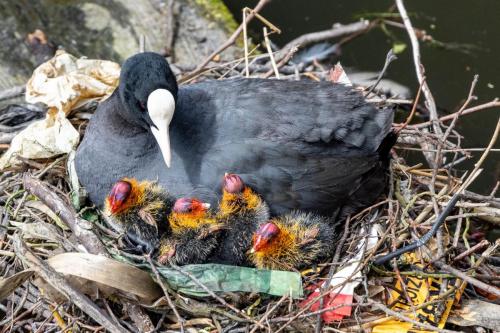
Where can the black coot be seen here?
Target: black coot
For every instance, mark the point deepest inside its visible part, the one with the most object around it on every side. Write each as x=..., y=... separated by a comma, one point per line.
x=300, y=144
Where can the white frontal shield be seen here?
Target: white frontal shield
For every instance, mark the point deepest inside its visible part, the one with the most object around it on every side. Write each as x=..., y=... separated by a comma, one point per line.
x=161, y=107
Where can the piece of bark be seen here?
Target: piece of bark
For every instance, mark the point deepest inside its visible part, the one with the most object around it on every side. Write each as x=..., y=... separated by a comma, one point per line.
x=12, y=92
x=477, y=313
x=139, y=317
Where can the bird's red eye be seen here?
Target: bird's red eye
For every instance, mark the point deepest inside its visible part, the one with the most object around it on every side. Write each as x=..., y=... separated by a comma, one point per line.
x=142, y=105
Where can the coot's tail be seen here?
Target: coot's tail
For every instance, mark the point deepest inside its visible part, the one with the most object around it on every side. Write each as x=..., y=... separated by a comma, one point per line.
x=386, y=145
x=373, y=183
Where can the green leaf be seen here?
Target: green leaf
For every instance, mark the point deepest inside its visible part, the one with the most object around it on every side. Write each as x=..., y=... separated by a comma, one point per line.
x=398, y=47
x=90, y=215
x=225, y=278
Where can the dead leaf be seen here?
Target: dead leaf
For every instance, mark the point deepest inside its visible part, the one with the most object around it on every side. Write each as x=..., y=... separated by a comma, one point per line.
x=211, y=229
x=91, y=272
x=309, y=235
x=8, y=285
x=38, y=205
x=491, y=214
x=192, y=322
x=148, y=218
x=375, y=290
x=338, y=75
x=39, y=230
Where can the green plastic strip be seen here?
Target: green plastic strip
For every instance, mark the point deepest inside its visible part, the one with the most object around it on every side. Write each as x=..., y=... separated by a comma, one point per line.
x=225, y=278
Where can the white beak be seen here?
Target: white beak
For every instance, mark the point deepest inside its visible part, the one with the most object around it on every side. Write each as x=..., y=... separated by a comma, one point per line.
x=205, y=205
x=161, y=107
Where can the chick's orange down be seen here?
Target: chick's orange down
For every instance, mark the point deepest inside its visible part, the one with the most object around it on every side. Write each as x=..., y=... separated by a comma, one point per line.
x=292, y=241
x=139, y=210
x=194, y=233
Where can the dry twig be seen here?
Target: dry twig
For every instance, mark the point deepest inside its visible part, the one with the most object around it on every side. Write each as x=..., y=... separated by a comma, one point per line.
x=431, y=104
x=60, y=284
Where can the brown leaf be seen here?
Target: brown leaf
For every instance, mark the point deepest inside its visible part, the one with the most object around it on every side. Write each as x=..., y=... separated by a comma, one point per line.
x=310, y=235
x=211, y=229
x=8, y=285
x=39, y=230
x=477, y=313
x=148, y=218
x=38, y=205
x=91, y=272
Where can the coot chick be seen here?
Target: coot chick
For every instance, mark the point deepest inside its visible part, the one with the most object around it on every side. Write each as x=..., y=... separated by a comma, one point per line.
x=303, y=145
x=138, y=210
x=194, y=233
x=241, y=211
x=199, y=237
x=293, y=241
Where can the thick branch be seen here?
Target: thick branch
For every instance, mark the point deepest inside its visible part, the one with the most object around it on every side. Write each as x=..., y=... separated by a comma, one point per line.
x=319, y=36
x=79, y=227
x=12, y=92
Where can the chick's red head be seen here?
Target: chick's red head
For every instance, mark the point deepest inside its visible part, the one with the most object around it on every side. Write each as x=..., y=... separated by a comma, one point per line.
x=119, y=195
x=233, y=183
x=264, y=236
x=190, y=205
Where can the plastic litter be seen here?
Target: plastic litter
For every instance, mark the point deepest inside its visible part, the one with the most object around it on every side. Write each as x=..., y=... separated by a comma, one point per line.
x=63, y=83
x=227, y=278
x=420, y=290
x=344, y=291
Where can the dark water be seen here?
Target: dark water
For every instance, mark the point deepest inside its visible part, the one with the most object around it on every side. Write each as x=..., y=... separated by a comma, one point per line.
x=473, y=27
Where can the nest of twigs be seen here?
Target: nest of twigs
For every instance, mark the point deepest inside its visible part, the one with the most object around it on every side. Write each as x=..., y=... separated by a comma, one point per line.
x=39, y=220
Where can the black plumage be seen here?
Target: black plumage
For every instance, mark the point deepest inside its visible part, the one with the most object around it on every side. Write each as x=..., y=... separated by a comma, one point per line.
x=303, y=145
x=193, y=246
x=194, y=234
x=241, y=211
